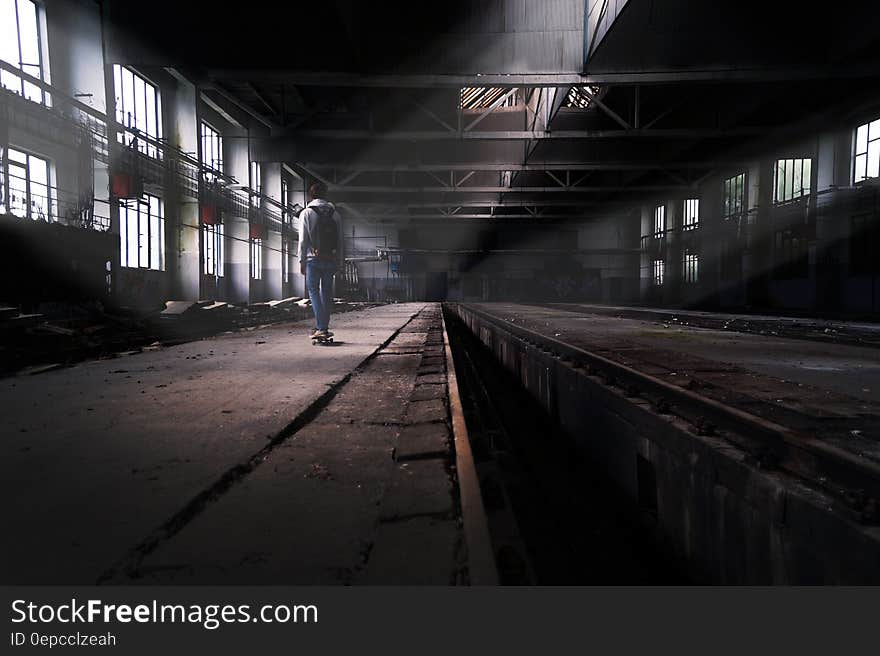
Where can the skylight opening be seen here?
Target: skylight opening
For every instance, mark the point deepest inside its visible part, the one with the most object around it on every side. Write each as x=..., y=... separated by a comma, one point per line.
x=579, y=97
x=483, y=97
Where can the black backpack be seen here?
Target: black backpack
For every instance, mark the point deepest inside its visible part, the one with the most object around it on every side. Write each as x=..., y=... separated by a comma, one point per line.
x=325, y=233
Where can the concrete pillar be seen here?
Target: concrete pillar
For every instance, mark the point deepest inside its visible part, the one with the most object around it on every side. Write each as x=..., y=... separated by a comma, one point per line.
x=238, y=261
x=188, y=273
x=273, y=285
x=272, y=265
x=182, y=128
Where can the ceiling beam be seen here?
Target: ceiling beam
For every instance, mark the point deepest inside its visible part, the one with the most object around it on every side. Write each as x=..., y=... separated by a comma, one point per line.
x=487, y=204
x=610, y=112
x=430, y=114
x=496, y=217
x=422, y=81
x=491, y=108
x=373, y=167
x=263, y=99
x=506, y=190
x=247, y=109
x=529, y=135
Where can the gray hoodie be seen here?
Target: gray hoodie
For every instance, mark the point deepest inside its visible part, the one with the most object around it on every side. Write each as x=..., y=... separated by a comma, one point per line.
x=308, y=219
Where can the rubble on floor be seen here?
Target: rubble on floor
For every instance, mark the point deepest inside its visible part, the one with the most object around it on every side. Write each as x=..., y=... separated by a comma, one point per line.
x=61, y=334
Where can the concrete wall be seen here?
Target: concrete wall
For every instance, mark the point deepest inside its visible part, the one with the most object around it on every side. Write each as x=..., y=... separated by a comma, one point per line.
x=595, y=261
x=826, y=283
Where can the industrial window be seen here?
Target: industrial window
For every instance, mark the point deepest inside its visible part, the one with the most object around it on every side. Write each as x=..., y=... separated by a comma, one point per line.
x=20, y=46
x=256, y=183
x=285, y=200
x=28, y=182
x=659, y=271
x=579, y=97
x=734, y=198
x=790, y=255
x=792, y=178
x=659, y=220
x=212, y=151
x=139, y=108
x=864, y=241
x=213, y=248
x=256, y=258
x=691, y=215
x=484, y=97
x=866, y=155
x=691, y=267
x=142, y=233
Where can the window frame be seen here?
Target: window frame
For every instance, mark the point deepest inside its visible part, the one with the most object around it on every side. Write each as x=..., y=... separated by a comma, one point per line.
x=788, y=192
x=42, y=65
x=660, y=224
x=256, y=258
x=690, y=220
x=213, y=250
x=153, y=234
x=856, y=153
x=130, y=131
x=213, y=169
x=729, y=189
x=5, y=187
x=255, y=182
x=285, y=199
x=658, y=272
x=690, y=272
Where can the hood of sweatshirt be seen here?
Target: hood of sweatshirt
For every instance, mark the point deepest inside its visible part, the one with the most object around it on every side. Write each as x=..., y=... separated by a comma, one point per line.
x=319, y=202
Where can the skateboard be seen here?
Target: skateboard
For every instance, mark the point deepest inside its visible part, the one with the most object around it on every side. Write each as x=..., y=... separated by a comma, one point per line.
x=324, y=341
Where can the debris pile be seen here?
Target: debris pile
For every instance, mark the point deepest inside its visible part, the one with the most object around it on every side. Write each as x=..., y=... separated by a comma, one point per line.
x=61, y=334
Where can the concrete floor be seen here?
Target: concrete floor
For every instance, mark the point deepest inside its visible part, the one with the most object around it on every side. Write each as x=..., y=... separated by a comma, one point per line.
x=803, y=383
x=97, y=458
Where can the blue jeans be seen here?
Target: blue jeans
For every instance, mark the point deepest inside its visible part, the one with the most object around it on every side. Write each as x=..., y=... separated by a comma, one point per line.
x=319, y=283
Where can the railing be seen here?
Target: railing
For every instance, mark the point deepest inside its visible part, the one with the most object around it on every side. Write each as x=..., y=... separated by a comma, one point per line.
x=74, y=125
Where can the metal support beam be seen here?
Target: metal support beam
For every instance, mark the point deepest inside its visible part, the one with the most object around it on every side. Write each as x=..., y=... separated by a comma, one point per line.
x=506, y=190
x=247, y=109
x=610, y=112
x=465, y=178
x=443, y=183
x=427, y=112
x=529, y=135
x=491, y=108
x=351, y=176
x=534, y=165
x=511, y=80
x=307, y=173
x=262, y=98
x=553, y=177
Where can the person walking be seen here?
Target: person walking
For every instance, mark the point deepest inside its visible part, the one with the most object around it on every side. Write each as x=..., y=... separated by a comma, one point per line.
x=320, y=254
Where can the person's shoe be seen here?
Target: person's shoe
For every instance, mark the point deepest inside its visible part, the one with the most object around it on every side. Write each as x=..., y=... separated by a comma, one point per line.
x=327, y=333
x=316, y=333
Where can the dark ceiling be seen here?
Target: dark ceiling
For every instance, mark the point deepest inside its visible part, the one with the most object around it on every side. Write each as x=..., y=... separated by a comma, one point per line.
x=365, y=95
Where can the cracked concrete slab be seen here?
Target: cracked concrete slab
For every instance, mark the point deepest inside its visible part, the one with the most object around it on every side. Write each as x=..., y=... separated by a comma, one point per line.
x=418, y=487
x=97, y=456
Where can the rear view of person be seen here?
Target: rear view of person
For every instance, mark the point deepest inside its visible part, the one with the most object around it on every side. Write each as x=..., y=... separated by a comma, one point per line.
x=320, y=254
